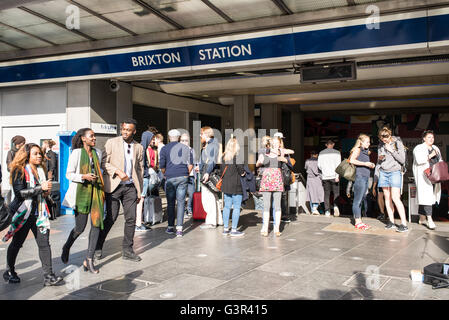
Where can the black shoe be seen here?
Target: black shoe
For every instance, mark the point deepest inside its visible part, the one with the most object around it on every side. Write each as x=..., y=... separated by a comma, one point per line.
x=390, y=226
x=402, y=228
x=65, y=254
x=51, y=280
x=98, y=254
x=286, y=220
x=11, y=277
x=88, y=264
x=131, y=256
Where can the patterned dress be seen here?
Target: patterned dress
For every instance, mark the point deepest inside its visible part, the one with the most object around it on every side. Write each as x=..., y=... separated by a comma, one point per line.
x=271, y=176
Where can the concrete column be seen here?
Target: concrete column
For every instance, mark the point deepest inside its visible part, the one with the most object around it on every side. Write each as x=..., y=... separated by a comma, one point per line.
x=178, y=120
x=243, y=117
x=124, y=100
x=297, y=138
x=271, y=116
x=78, y=105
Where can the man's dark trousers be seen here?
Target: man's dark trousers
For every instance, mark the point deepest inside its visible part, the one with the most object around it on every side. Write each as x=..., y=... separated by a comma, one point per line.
x=127, y=195
x=328, y=186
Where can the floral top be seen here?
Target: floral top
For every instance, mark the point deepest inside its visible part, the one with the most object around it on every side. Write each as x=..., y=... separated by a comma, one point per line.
x=271, y=176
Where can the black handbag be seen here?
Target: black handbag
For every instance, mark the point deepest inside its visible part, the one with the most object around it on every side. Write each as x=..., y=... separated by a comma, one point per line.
x=286, y=174
x=5, y=215
x=214, y=178
x=52, y=207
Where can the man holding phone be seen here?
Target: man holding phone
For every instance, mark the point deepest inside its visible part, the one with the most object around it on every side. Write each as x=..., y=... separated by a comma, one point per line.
x=122, y=164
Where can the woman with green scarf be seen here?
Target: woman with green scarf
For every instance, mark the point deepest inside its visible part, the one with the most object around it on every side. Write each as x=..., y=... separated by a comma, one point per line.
x=85, y=194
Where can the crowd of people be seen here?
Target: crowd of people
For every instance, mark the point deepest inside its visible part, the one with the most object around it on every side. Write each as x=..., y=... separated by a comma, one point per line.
x=131, y=174
x=387, y=174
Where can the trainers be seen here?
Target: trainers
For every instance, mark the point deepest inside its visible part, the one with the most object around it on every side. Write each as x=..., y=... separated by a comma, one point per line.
x=98, y=254
x=140, y=228
x=226, y=232
x=390, y=226
x=327, y=214
x=336, y=212
x=286, y=220
x=402, y=228
x=170, y=230
x=381, y=217
x=131, y=256
x=179, y=233
x=11, y=277
x=236, y=233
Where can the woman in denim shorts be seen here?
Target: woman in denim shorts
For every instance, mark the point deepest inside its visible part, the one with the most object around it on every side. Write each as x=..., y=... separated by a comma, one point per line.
x=391, y=153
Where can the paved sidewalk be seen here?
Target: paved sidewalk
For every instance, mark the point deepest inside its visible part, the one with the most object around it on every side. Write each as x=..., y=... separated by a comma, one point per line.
x=315, y=258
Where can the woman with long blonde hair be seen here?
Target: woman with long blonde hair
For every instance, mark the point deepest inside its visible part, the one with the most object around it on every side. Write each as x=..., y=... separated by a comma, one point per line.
x=271, y=185
x=360, y=158
x=30, y=187
x=231, y=172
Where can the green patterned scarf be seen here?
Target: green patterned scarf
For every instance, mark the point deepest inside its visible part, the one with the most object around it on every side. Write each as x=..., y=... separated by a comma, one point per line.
x=90, y=196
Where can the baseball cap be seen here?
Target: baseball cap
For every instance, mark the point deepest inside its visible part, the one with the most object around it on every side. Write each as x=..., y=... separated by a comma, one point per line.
x=279, y=134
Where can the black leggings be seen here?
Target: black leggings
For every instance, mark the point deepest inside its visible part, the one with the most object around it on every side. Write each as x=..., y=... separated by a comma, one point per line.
x=80, y=225
x=42, y=240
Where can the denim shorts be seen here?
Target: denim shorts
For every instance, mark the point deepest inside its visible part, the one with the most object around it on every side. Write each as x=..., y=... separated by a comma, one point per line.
x=390, y=179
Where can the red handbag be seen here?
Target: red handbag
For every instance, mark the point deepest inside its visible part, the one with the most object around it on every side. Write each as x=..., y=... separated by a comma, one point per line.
x=437, y=173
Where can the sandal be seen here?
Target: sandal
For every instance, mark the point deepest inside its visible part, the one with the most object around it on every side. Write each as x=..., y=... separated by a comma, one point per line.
x=362, y=226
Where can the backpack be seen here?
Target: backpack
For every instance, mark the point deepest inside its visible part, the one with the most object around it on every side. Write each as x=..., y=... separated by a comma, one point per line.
x=404, y=165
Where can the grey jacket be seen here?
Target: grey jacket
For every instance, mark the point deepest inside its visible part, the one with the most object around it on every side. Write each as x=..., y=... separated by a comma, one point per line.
x=393, y=160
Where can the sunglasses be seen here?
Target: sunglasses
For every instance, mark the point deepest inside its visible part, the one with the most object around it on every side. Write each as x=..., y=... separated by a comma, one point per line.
x=384, y=136
x=129, y=149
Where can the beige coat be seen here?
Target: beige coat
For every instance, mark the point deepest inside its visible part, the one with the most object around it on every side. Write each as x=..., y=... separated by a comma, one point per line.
x=114, y=158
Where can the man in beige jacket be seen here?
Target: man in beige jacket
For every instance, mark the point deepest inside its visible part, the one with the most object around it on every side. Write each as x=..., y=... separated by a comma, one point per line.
x=122, y=165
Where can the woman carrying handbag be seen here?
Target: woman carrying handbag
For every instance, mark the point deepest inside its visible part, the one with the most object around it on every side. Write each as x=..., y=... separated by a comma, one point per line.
x=360, y=158
x=425, y=156
x=231, y=187
x=30, y=187
x=85, y=194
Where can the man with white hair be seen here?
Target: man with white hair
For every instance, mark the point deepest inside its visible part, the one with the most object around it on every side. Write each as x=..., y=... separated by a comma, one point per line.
x=176, y=163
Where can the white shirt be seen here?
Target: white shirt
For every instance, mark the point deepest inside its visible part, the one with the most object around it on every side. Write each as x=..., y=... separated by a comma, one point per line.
x=128, y=161
x=328, y=161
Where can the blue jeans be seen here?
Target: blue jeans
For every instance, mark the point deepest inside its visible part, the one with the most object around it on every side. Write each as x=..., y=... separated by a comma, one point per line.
x=232, y=200
x=360, y=188
x=175, y=189
x=190, y=191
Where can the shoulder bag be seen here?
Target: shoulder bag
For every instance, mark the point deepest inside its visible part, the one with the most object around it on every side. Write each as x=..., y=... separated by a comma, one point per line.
x=346, y=170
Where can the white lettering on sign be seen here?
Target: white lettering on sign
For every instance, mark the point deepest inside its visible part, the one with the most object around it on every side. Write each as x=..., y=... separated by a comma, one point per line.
x=225, y=52
x=104, y=128
x=156, y=59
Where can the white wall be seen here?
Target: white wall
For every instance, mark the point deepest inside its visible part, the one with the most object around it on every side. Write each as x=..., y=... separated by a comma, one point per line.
x=35, y=112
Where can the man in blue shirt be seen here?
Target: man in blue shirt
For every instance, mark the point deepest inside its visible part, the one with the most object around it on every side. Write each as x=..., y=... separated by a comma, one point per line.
x=176, y=162
x=209, y=159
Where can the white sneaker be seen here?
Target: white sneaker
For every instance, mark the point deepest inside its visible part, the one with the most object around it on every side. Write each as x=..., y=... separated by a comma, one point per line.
x=208, y=226
x=327, y=214
x=430, y=224
x=336, y=212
